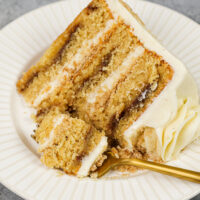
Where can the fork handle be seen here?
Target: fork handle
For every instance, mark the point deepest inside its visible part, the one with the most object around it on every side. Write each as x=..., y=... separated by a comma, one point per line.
x=164, y=169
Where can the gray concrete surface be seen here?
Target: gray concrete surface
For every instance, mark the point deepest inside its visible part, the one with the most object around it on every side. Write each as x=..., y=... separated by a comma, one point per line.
x=11, y=9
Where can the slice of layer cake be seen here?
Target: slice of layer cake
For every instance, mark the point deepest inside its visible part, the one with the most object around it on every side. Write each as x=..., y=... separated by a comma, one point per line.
x=69, y=144
x=108, y=72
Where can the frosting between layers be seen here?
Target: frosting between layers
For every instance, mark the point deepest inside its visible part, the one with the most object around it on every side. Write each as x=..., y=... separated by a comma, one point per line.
x=171, y=132
x=57, y=121
x=87, y=45
x=88, y=161
x=77, y=59
x=111, y=81
x=45, y=92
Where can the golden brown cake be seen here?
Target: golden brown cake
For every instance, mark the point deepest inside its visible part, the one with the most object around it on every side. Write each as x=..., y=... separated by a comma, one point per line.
x=107, y=74
x=69, y=144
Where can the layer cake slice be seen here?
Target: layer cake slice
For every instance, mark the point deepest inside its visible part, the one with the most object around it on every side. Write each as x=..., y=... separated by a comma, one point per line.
x=108, y=72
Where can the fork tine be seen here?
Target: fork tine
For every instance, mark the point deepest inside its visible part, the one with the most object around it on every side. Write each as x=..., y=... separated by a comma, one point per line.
x=108, y=164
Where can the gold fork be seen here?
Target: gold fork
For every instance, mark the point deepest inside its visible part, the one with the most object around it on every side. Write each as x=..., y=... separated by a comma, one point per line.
x=112, y=162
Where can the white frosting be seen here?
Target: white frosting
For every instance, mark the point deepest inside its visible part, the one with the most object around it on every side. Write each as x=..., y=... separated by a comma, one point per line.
x=82, y=53
x=182, y=130
x=176, y=124
x=45, y=92
x=110, y=82
x=88, y=161
x=57, y=121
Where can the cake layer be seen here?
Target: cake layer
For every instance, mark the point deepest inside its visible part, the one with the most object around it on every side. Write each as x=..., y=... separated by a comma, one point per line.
x=61, y=90
x=93, y=62
x=83, y=29
x=67, y=143
x=105, y=103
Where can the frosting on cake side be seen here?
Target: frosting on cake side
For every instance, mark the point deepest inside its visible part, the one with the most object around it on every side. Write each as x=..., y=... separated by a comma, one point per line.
x=180, y=94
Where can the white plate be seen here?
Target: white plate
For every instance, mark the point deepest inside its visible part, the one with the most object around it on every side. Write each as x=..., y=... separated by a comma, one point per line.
x=21, y=44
